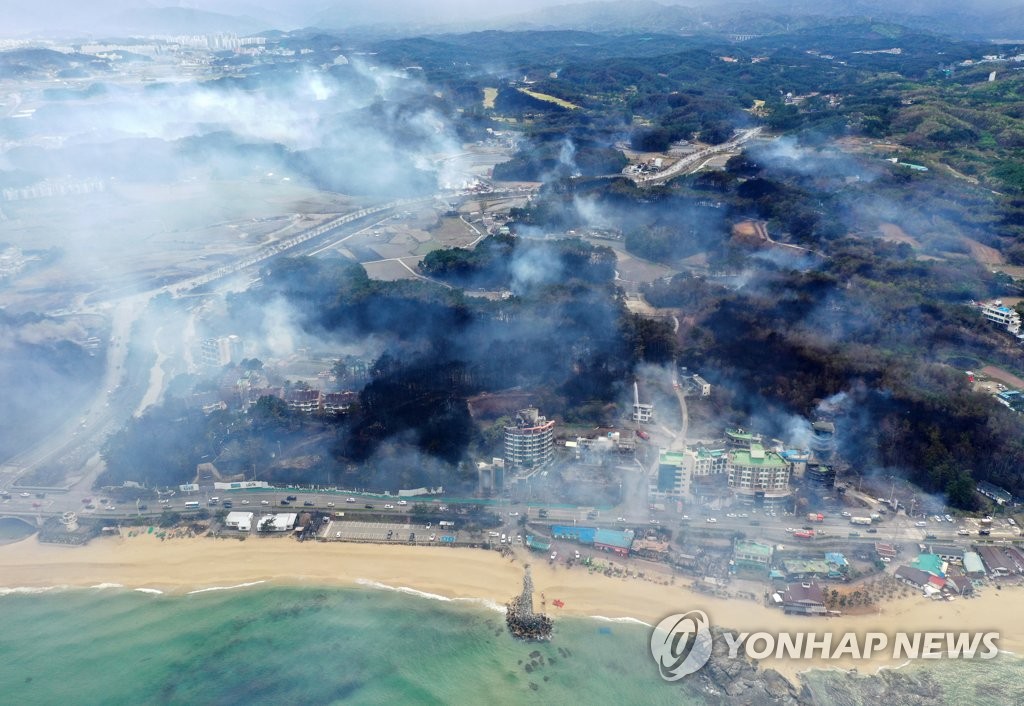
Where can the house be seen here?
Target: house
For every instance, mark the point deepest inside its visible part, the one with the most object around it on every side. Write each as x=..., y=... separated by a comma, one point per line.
x=948, y=553
x=960, y=585
x=337, y=403
x=303, y=401
x=838, y=564
x=281, y=522
x=885, y=550
x=973, y=566
x=913, y=577
x=800, y=569
x=241, y=521
x=805, y=598
x=751, y=555
x=931, y=563
x=996, y=560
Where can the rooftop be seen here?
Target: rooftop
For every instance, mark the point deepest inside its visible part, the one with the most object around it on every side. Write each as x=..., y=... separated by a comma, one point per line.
x=932, y=563
x=757, y=456
x=614, y=538
x=753, y=548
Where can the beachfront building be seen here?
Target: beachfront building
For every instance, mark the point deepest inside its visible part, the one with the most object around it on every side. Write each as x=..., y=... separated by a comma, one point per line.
x=614, y=541
x=805, y=598
x=911, y=576
x=757, y=475
x=241, y=521
x=529, y=441
x=973, y=565
x=280, y=522
x=931, y=563
x=960, y=585
x=803, y=569
x=751, y=555
x=996, y=560
x=651, y=548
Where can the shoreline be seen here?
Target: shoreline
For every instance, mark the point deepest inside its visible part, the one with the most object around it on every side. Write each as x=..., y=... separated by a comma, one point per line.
x=196, y=566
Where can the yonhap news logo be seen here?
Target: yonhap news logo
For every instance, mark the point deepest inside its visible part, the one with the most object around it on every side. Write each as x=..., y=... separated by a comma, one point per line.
x=681, y=644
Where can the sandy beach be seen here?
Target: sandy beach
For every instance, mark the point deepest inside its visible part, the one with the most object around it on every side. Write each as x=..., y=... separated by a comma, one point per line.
x=179, y=566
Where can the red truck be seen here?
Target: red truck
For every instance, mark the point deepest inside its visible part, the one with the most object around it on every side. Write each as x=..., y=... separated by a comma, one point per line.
x=642, y=434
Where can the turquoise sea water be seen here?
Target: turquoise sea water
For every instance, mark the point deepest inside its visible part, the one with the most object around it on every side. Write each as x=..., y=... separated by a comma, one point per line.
x=275, y=645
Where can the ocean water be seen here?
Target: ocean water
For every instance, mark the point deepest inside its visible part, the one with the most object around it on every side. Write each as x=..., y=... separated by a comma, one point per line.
x=259, y=645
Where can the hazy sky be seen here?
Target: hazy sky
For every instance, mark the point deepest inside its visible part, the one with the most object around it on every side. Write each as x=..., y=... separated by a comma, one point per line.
x=126, y=16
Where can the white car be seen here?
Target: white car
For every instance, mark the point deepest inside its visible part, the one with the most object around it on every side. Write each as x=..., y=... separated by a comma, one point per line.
x=25, y=495
x=503, y=539
x=844, y=513
x=620, y=519
x=432, y=536
x=264, y=502
x=330, y=504
x=731, y=514
x=519, y=539
x=554, y=555
x=577, y=554
x=712, y=519
x=350, y=500
x=513, y=514
x=389, y=507
x=337, y=534
x=245, y=502
x=402, y=502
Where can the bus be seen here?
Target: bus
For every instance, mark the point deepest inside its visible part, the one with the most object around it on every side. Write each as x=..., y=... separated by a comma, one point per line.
x=192, y=505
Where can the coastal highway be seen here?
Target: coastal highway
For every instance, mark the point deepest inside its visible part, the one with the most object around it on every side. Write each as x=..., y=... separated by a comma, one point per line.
x=774, y=529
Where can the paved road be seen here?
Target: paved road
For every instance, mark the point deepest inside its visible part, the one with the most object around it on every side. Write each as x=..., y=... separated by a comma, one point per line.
x=693, y=160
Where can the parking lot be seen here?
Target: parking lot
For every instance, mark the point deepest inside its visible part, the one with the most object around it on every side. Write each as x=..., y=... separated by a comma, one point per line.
x=379, y=532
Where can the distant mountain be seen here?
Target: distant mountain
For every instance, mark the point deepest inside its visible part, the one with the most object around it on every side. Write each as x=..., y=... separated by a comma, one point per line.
x=977, y=19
